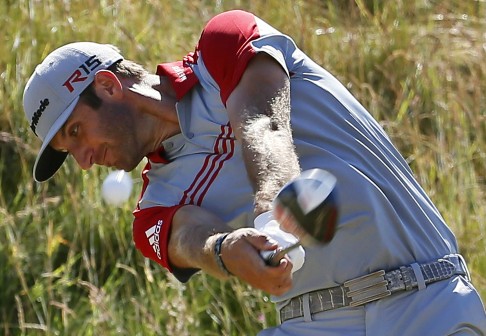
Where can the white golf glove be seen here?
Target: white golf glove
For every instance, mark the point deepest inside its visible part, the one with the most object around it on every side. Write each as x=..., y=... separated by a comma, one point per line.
x=267, y=224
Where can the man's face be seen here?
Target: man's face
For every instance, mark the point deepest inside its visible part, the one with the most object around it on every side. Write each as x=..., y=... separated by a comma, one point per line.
x=105, y=136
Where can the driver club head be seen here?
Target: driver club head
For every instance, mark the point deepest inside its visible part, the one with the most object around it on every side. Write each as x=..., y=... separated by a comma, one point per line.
x=309, y=202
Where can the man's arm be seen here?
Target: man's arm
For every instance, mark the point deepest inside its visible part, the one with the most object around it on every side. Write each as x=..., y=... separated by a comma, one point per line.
x=193, y=234
x=259, y=111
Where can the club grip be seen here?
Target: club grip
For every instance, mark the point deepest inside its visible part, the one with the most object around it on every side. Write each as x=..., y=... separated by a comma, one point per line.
x=273, y=259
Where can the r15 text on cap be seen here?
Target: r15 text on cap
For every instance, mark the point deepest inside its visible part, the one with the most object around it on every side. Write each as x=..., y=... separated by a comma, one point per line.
x=77, y=76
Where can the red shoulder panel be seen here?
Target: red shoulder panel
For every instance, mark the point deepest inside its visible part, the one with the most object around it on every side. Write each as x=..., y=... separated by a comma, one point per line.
x=225, y=47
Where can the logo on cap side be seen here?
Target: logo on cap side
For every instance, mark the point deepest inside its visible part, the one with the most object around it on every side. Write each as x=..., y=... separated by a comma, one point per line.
x=77, y=76
x=37, y=114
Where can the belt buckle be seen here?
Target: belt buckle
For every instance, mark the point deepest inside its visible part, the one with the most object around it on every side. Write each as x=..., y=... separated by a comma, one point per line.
x=459, y=263
x=367, y=288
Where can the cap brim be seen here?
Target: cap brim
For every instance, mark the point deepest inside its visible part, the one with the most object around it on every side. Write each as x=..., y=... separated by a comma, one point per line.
x=48, y=163
x=50, y=160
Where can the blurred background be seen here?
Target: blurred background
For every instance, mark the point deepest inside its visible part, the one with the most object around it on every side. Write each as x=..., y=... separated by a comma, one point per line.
x=68, y=264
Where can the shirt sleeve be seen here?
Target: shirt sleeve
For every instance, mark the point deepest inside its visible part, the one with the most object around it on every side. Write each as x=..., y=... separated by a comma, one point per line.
x=226, y=49
x=151, y=229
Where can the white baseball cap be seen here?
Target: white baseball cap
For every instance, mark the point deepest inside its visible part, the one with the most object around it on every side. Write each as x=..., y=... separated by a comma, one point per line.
x=53, y=91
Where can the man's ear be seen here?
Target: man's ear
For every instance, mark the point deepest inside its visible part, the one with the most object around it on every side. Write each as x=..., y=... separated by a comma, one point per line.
x=107, y=85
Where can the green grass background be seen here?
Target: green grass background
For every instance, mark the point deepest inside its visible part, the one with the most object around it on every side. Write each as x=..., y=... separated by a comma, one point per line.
x=67, y=262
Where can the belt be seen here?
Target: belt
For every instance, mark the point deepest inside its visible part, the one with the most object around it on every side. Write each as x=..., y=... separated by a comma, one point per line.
x=376, y=285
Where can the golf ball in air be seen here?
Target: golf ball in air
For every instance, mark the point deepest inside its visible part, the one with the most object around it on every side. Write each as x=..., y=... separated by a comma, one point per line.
x=117, y=187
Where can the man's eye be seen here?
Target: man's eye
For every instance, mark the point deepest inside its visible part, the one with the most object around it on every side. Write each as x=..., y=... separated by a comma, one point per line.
x=74, y=131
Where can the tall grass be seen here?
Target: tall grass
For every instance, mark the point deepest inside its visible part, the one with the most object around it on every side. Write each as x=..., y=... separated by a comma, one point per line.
x=68, y=265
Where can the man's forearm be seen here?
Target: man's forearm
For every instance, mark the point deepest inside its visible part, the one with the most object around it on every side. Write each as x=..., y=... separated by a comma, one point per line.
x=192, y=241
x=193, y=235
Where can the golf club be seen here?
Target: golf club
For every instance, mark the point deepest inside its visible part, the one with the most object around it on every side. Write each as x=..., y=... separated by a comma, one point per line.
x=308, y=205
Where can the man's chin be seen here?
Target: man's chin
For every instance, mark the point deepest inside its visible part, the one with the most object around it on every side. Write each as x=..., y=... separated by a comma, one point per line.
x=126, y=167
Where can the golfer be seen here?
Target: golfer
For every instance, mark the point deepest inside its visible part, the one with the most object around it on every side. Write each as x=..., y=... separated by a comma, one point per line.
x=222, y=131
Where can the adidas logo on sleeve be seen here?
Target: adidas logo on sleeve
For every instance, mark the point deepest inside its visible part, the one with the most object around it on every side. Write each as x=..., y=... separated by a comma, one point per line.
x=153, y=236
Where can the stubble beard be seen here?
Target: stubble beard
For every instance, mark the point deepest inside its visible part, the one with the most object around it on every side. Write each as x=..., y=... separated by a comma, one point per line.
x=125, y=145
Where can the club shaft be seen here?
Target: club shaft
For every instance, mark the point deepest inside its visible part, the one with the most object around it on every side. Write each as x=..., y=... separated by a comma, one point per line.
x=274, y=258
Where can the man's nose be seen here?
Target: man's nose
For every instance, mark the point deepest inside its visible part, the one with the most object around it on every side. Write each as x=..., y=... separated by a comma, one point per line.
x=83, y=156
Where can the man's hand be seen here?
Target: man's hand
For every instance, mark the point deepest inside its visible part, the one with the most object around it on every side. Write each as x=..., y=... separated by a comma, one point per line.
x=194, y=233
x=241, y=255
